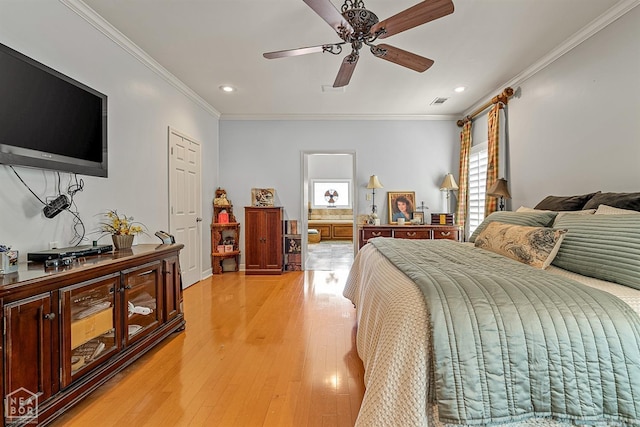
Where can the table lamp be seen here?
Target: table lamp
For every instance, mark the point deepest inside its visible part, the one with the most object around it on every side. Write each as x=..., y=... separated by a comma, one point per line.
x=499, y=189
x=448, y=184
x=373, y=184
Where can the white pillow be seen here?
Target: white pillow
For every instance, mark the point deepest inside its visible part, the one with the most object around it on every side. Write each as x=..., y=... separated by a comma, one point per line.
x=526, y=209
x=610, y=210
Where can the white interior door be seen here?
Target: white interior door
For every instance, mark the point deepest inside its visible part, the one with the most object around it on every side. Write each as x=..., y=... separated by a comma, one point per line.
x=185, y=212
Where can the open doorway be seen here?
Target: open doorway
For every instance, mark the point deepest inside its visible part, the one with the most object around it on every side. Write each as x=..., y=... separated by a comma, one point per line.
x=330, y=211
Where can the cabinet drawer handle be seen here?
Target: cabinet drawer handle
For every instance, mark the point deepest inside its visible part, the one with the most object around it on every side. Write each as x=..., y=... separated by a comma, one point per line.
x=411, y=233
x=376, y=234
x=445, y=233
x=50, y=316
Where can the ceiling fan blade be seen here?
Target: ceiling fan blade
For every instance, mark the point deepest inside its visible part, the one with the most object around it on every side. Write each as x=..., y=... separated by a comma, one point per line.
x=346, y=70
x=419, y=14
x=332, y=48
x=402, y=57
x=330, y=14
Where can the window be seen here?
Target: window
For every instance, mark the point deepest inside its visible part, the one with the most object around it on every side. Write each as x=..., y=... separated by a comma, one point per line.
x=477, y=185
x=329, y=193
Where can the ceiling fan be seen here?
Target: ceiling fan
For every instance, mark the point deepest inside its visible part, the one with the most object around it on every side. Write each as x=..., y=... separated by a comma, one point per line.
x=358, y=26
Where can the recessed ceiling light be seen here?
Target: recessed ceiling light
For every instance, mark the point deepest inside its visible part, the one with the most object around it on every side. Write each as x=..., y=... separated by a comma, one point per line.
x=227, y=88
x=460, y=89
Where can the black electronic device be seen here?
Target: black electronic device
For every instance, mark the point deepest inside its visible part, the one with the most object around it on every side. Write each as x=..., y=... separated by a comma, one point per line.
x=56, y=206
x=165, y=237
x=73, y=251
x=49, y=120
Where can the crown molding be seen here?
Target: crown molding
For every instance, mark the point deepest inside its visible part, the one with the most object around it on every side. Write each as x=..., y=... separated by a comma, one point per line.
x=316, y=117
x=595, y=26
x=99, y=23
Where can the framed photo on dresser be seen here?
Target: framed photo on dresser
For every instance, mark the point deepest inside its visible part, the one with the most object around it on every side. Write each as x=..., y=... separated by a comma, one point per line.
x=263, y=197
x=418, y=218
x=401, y=205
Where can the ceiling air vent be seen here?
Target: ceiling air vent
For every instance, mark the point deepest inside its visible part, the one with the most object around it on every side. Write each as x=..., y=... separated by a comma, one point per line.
x=438, y=101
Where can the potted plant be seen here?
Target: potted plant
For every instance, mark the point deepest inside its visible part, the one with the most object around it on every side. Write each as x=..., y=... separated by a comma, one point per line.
x=121, y=227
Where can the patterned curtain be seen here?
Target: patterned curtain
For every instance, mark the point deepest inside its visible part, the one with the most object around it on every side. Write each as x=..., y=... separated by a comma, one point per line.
x=463, y=183
x=491, y=203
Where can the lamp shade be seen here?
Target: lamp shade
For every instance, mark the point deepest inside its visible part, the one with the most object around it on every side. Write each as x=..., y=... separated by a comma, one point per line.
x=499, y=189
x=374, y=182
x=448, y=183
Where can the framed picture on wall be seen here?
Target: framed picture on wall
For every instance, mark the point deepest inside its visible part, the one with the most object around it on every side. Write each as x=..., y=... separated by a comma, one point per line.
x=401, y=205
x=263, y=197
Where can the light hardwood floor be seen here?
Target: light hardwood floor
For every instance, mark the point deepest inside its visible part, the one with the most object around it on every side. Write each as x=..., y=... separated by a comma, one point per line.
x=257, y=351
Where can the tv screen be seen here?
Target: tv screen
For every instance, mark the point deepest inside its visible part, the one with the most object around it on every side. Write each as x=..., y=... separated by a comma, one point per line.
x=49, y=120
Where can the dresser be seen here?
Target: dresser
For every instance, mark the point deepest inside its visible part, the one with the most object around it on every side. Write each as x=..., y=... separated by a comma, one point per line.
x=366, y=232
x=69, y=329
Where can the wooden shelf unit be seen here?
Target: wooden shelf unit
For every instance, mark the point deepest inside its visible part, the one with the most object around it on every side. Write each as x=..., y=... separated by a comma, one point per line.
x=218, y=234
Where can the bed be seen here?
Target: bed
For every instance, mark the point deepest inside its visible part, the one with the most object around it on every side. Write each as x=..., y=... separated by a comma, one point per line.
x=398, y=326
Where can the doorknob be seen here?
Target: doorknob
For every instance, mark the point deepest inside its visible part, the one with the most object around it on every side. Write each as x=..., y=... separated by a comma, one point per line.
x=198, y=219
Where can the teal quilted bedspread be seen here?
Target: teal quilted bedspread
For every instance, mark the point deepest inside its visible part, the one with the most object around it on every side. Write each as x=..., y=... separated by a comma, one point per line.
x=511, y=342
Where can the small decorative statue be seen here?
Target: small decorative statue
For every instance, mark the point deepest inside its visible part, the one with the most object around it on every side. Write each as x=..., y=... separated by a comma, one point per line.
x=221, y=198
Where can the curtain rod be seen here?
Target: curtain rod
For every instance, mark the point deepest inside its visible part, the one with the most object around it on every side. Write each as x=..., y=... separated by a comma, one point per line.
x=502, y=98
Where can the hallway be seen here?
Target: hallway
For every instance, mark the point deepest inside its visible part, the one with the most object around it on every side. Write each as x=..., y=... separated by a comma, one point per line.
x=329, y=255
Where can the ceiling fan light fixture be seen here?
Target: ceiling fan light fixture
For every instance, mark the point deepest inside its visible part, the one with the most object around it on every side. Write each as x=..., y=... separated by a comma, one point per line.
x=227, y=88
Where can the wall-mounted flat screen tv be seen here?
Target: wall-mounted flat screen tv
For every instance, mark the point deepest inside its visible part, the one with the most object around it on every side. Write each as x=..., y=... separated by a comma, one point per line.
x=49, y=120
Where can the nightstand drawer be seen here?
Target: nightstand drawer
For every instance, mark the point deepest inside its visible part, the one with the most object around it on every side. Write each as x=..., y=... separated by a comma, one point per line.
x=412, y=234
x=370, y=233
x=446, y=233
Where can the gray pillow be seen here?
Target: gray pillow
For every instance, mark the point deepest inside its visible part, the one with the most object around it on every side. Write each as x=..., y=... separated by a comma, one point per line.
x=531, y=219
x=629, y=201
x=606, y=247
x=565, y=203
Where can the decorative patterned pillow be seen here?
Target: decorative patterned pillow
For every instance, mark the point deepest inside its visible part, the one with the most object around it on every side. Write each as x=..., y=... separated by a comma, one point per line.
x=531, y=219
x=534, y=246
x=606, y=247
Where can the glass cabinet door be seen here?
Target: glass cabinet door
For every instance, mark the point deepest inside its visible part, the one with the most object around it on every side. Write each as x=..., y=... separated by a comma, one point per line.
x=91, y=330
x=142, y=289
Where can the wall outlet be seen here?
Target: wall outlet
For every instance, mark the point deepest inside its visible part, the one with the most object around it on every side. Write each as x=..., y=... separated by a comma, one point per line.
x=53, y=245
x=368, y=197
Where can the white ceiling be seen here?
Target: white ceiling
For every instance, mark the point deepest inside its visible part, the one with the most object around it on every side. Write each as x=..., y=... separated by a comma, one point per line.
x=482, y=46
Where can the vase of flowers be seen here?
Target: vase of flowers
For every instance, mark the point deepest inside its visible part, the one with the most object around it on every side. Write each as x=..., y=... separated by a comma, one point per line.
x=122, y=229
